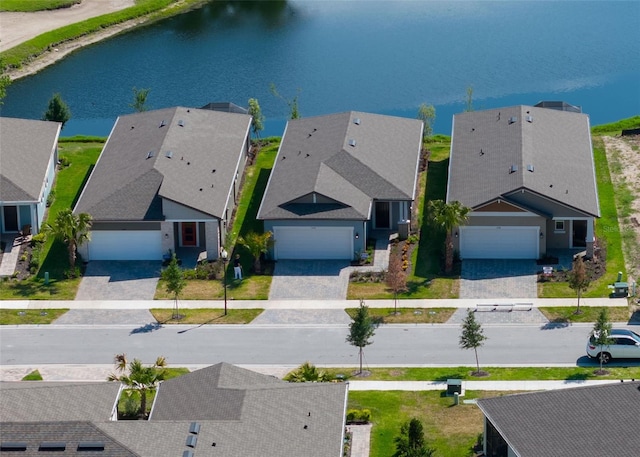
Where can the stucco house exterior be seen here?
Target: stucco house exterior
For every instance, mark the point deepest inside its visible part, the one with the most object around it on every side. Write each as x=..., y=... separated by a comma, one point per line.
x=218, y=411
x=28, y=159
x=337, y=178
x=528, y=175
x=587, y=421
x=165, y=179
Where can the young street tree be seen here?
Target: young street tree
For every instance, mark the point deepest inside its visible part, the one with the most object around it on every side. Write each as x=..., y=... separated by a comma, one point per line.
x=139, y=103
x=257, y=123
x=257, y=244
x=410, y=442
x=472, y=337
x=600, y=337
x=71, y=229
x=446, y=216
x=138, y=378
x=175, y=282
x=579, y=279
x=396, y=279
x=427, y=114
x=57, y=111
x=361, y=330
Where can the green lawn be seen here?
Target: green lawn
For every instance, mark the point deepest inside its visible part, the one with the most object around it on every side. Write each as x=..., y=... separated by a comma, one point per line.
x=29, y=316
x=407, y=315
x=563, y=314
x=35, y=5
x=207, y=316
x=82, y=154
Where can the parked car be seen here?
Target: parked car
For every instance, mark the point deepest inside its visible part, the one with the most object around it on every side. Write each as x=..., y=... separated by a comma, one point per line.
x=625, y=345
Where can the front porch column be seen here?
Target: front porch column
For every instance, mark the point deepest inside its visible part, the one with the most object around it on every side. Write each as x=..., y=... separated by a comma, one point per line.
x=168, y=242
x=590, y=239
x=212, y=239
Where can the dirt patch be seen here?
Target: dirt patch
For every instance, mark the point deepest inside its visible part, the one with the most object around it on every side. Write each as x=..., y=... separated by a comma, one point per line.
x=623, y=156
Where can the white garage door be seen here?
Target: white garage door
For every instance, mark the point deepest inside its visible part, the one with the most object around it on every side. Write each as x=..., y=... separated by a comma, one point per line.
x=125, y=245
x=313, y=242
x=499, y=242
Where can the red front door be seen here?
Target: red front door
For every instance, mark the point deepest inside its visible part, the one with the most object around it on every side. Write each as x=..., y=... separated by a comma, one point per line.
x=189, y=237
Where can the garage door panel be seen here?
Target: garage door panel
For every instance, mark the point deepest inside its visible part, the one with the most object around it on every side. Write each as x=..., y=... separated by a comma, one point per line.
x=125, y=245
x=313, y=243
x=499, y=242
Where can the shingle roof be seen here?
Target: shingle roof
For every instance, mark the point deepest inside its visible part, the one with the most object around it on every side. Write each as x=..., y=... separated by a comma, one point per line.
x=170, y=153
x=26, y=147
x=557, y=144
x=44, y=401
x=350, y=158
x=574, y=422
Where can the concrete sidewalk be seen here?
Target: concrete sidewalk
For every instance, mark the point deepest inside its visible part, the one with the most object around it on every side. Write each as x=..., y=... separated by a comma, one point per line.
x=304, y=304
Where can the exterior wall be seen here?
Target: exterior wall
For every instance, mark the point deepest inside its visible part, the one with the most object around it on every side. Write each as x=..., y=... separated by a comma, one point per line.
x=359, y=227
x=176, y=211
x=168, y=233
x=558, y=239
x=530, y=220
x=212, y=239
x=100, y=225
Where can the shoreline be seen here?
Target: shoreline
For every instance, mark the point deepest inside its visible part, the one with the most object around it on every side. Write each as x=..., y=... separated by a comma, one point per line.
x=64, y=49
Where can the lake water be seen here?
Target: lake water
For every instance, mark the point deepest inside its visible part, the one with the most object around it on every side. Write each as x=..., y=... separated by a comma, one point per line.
x=384, y=57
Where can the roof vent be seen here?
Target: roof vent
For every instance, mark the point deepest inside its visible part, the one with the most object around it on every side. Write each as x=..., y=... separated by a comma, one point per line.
x=187, y=454
x=356, y=121
x=149, y=154
x=181, y=123
x=530, y=168
x=90, y=446
x=352, y=143
x=13, y=446
x=529, y=119
x=513, y=169
x=163, y=123
x=481, y=152
x=168, y=154
x=513, y=120
x=192, y=440
x=52, y=446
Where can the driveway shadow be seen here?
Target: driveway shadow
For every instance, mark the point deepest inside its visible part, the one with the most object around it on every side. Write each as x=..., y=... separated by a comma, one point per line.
x=310, y=280
x=119, y=280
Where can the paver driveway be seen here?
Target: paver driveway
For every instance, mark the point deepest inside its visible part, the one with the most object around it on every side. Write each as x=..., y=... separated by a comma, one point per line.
x=310, y=280
x=119, y=280
x=498, y=278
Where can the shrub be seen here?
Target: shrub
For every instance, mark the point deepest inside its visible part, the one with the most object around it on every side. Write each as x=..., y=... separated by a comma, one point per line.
x=38, y=239
x=358, y=416
x=63, y=162
x=51, y=197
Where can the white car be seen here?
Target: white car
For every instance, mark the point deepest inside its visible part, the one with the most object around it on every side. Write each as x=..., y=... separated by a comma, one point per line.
x=625, y=345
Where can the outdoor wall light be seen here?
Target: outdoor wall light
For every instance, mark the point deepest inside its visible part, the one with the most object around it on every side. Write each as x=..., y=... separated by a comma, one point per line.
x=357, y=235
x=456, y=235
x=541, y=235
x=166, y=236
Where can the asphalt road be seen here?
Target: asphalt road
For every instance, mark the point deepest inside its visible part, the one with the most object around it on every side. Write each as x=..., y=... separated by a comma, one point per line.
x=397, y=345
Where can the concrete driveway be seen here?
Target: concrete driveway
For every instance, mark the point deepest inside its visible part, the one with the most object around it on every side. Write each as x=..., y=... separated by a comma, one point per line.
x=310, y=280
x=499, y=278
x=119, y=280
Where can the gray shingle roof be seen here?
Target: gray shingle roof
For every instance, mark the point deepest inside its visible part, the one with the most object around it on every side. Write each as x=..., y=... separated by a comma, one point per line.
x=44, y=401
x=133, y=171
x=351, y=158
x=574, y=422
x=26, y=147
x=486, y=144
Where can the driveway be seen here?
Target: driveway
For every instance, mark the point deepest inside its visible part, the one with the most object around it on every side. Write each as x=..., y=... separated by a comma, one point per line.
x=119, y=280
x=310, y=280
x=499, y=278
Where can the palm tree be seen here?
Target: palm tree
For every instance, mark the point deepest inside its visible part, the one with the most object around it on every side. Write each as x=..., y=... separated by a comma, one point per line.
x=447, y=216
x=71, y=229
x=139, y=378
x=307, y=372
x=257, y=244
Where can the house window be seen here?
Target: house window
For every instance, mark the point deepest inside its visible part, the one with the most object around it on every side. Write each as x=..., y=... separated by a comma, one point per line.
x=559, y=226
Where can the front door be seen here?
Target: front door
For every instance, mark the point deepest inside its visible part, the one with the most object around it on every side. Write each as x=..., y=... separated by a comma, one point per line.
x=189, y=236
x=10, y=214
x=382, y=215
x=579, y=234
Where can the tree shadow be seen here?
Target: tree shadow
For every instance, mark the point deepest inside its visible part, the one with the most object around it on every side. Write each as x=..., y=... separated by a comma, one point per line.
x=555, y=324
x=147, y=328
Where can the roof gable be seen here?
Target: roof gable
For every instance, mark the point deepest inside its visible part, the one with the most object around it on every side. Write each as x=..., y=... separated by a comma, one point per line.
x=495, y=152
x=26, y=149
x=190, y=156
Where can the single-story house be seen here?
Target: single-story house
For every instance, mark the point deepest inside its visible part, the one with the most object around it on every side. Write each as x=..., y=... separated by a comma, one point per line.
x=28, y=159
x=588, y=421
x=337, y=178
x=527, y=174
x=165, y=179
x=218, y=411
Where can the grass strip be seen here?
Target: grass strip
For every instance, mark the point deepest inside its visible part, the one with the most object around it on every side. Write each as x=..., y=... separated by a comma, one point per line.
x=33, y=376
x=36, y=5
x=29, y=316
x=207, y=316
x=408, y=315
x=565, y=315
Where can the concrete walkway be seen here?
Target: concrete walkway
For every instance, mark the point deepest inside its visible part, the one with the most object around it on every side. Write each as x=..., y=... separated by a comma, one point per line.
x=10, y=255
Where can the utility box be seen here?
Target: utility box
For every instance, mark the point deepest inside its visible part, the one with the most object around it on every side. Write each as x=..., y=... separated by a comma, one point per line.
x=620, y=289
x=403, y=229
x=454, y=386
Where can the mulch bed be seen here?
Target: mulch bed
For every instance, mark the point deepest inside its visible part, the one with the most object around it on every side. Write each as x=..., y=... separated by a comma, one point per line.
x=596, y=267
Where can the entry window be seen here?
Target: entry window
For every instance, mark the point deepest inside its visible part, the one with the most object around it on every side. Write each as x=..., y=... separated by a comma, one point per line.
x=559, y=226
